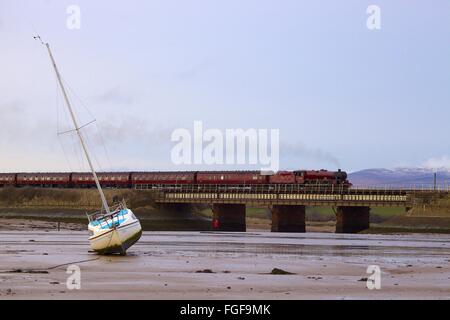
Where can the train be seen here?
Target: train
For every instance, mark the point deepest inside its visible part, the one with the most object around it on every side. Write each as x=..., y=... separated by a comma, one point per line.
x=149, y=180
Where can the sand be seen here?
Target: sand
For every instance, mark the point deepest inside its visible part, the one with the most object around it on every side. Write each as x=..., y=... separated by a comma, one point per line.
x=167, y=265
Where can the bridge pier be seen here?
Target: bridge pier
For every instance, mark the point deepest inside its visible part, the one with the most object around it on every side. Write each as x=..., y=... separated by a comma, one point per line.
x=352, y=219
x=288, y=218
x=229, y=217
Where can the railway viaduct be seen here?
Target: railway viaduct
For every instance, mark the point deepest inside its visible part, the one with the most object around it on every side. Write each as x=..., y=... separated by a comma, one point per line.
x=287, y=204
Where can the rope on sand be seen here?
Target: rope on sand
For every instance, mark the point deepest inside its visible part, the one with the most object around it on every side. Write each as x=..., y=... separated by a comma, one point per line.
x=45, y=270
x=69, y=263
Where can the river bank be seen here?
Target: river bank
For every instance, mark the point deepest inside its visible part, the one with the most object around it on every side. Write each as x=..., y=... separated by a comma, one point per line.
x=58, y=219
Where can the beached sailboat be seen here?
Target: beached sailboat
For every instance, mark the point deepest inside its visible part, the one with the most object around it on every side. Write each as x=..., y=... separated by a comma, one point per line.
x=111, y=230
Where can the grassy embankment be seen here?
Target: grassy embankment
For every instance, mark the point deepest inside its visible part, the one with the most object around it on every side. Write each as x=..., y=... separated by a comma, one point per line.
x=430, y=213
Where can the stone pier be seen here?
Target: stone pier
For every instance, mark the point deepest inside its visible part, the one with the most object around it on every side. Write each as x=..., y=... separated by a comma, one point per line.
x=229, y=217
x=288, y=218
x=352, y=219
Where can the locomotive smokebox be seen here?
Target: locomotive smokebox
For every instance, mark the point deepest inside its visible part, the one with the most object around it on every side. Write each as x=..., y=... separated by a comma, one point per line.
x=341, y=175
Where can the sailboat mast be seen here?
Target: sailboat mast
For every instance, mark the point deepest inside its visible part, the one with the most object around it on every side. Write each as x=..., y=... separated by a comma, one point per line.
x=77, y=129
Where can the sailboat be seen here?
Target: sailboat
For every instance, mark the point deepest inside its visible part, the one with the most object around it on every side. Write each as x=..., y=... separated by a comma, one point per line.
x=111, y=230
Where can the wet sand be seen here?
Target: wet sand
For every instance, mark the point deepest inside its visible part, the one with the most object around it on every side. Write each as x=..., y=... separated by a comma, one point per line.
x=164, y=265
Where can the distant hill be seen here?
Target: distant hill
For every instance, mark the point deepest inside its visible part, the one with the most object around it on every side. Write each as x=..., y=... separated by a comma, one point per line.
x=400, y=177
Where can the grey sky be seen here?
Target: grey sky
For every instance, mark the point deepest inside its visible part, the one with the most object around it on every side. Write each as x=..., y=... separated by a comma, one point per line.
x=340, y=94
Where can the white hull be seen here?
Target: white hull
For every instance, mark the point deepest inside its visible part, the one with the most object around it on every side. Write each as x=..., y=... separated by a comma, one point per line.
x=117, y=238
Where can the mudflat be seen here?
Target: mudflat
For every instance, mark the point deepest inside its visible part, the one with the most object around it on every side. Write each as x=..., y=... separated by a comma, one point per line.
x=212, y=265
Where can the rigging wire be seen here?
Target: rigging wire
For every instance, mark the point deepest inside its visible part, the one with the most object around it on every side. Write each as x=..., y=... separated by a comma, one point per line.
x=86, y=137
x=57, y=125
x=78, y=153
x=76, y=145
x=104, y=145
x=89, y=146
x=101, y=138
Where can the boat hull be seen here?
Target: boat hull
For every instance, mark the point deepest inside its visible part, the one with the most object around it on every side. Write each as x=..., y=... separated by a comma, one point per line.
x=116, y=240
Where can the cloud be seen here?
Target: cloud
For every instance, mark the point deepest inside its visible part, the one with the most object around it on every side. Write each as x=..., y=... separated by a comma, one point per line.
x=29, y=143
x=11, y=107
x=131, y=129
x=114, y=95
x=17, y=128
x=193, y=70
x=438, y=163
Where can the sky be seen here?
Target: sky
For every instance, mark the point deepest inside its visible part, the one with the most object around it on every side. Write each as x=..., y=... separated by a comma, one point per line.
x=340, y=94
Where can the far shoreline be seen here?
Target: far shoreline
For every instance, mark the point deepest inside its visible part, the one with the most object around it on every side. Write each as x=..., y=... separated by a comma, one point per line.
x=24, y=221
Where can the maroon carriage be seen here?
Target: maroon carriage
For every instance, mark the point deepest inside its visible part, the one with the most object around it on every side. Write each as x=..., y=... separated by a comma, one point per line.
x=231, y=177
x=162, y=178
x=56, y=179
x=106, y=179
x=7, y=179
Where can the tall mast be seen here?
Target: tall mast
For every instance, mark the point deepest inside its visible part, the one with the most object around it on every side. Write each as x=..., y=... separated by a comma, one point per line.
x=77, y=129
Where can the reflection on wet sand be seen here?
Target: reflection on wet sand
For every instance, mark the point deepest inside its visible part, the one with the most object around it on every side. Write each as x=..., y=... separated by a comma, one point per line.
x=171, y=265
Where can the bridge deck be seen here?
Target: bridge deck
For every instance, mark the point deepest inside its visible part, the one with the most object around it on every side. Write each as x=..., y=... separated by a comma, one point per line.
x=284, y=194
x=287, y=199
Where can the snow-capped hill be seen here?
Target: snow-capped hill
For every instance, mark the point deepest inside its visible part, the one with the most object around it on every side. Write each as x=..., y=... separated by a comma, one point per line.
x=400, y=177
x=422, y=169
